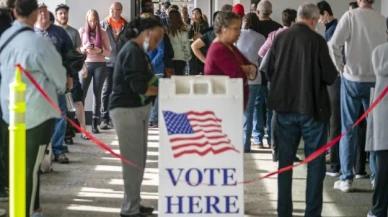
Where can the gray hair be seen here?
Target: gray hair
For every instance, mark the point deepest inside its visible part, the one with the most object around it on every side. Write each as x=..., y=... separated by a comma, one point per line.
x=227, y=8
x=223, y=20
x=264, y=7
x=308, y=11
x=369, y=1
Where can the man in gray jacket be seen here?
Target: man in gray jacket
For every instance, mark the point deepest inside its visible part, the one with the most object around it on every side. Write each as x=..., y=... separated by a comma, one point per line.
x=115, y=26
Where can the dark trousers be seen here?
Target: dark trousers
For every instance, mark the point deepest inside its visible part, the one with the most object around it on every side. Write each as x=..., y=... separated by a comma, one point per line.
x=380, y=193
x=106, y=91
x=37, y=140
x=179, y=67
x=361, y=142
x=335, y=122
x=97, y=72
x=291, y=128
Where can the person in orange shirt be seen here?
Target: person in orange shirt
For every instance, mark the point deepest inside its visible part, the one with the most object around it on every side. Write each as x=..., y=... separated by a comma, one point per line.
x=115, y=26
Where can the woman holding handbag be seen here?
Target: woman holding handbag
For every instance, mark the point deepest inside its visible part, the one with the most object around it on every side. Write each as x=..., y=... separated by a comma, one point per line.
x=179, y=38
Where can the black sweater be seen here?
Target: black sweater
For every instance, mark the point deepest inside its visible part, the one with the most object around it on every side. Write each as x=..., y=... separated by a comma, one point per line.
x=300, y=68
x=132, y=72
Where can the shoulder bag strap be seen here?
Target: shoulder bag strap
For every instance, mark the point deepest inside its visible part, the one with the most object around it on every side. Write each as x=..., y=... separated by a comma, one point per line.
x=13, y=36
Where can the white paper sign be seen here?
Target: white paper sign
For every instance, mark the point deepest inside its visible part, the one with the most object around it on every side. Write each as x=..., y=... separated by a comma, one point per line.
x=201, y=146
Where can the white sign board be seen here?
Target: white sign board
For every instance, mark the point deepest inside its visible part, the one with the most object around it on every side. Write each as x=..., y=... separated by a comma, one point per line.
x=201, y=146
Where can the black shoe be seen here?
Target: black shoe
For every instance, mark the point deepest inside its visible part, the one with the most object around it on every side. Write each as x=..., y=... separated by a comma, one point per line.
x=94, y=125
x=144, y=210
x=69, y=141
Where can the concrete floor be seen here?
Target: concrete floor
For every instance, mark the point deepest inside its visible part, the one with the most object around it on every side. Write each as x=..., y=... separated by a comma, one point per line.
x=91, y=185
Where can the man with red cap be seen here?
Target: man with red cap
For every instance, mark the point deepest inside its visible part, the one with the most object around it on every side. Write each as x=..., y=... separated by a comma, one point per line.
x=239, y=9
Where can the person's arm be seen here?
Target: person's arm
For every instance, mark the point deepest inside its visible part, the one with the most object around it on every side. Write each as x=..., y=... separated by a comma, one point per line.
x=84, y=47
x=50, y=63
x=328, y=70
x=105, y=44
x=160, y=54
x=341, y=35
x=249, y=68
x=196, y=47
x=266, y=46
x=133, y=68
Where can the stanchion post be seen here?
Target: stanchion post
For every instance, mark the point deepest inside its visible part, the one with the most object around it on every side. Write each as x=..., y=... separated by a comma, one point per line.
x=17, y=146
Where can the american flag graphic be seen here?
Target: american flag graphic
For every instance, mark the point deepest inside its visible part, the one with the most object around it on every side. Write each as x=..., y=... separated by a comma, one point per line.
x=196, y=133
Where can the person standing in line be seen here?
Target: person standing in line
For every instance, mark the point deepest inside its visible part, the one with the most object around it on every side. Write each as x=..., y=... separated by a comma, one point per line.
x=179, y=37
x=95, y=43
x=202, y=45
x=115, y=26
x=380, y=136
x=306, y=68
x=59, y=37
x=327, y=19
x=185, y=15
x=248, y=44
x=147, y=6
x=41, y=58
x=62, y=18
x=130, y=105
x=288, y=18
x=266, y=24
x=361, y=30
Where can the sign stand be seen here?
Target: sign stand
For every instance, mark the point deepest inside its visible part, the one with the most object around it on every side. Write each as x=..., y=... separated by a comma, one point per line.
x=201, y=146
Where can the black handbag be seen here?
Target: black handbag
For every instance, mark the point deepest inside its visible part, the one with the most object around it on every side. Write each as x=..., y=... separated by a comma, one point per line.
x=73, y=61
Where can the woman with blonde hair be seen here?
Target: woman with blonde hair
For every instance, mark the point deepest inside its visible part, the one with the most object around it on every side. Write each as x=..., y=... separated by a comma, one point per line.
x=95, y=43
x=179, y=38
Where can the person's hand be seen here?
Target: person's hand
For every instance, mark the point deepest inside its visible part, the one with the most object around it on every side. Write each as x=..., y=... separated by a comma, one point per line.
x=192, y=21
x=84, y=72
x=69, y=83
x=196, y=36
x=252, y=73
x=169, y=72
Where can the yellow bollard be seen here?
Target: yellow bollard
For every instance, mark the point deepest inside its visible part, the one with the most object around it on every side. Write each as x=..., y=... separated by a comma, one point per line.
x=17, y=147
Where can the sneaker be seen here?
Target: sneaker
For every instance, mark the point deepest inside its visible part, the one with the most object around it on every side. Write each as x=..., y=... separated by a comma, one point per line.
x=3, y=195
x=61, y=158
x=370, y=214
x=362, y=176
x=104, y=125
x=2, y=212
x=37, y=214
x=84, y=137
x=344, y=186
x=144, y=210
x=332, y=172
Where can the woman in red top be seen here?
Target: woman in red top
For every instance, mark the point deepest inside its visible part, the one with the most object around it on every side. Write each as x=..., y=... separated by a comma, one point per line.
x=223, y=58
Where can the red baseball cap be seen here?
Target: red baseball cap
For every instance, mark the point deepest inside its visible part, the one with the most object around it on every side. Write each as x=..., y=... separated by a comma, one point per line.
x=238, y=9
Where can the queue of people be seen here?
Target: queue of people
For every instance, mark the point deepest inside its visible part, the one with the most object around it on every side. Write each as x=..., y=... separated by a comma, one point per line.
x=331, y=78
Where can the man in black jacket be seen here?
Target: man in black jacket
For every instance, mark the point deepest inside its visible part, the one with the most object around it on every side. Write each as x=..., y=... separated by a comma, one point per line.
x=300, y=70
x=115, y=26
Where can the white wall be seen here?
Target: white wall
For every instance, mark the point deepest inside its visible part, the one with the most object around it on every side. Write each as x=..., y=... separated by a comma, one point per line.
x=384, y=7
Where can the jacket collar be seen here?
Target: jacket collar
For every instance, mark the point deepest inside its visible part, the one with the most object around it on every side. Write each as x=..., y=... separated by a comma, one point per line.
x=331, y=23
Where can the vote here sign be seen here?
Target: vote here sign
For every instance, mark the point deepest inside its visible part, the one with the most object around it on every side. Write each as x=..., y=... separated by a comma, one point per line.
x=201, y=150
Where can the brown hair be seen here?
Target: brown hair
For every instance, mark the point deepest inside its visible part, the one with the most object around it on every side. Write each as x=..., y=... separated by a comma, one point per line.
x=176, y=23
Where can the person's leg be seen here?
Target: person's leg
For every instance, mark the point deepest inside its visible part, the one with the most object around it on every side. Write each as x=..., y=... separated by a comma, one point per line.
x=268, y=117
x=380, y=193
x=314, y=136
x=288, y=135
x=179, y=67
x=130, y=125
x=78, y=93
x=258, y=122
x=58, y=147
x=85, y=82
x=37, y=139
x=350, y=109
x=274, y=140
x=154, y=111
x=4, y=162
x=106, y=91
x=334, y=91
x=360, y=160
x=98, y=82
x=248, y=116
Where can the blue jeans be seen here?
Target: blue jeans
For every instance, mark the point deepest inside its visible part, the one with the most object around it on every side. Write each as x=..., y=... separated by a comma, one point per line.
x=248, y=115
x=372, y=165
x=353, y=96
x=290, y=129
x=154, y=110
x=60, y=128
x=258, y=120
